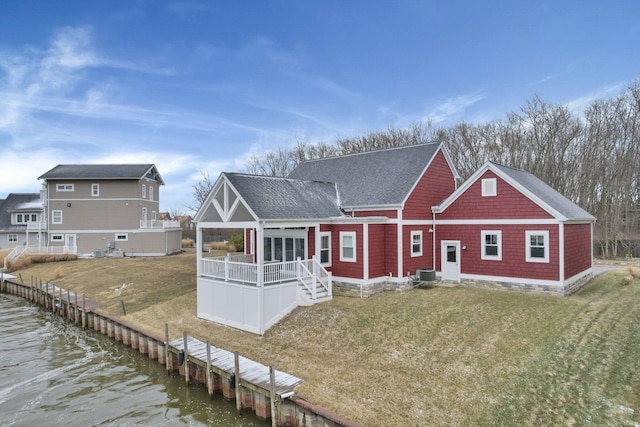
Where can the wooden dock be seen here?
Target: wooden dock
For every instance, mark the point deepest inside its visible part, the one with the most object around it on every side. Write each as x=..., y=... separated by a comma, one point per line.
x=249, y=371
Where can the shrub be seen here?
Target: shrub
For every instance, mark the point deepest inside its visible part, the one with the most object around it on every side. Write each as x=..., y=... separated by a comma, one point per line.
x=218, y=246
x=26, y=260
x=236, y=241
x=187, y=243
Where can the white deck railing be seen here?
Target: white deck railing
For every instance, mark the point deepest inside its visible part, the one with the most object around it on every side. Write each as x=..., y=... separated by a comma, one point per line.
x=158, y=223
x=307, y=272
x=36, y=225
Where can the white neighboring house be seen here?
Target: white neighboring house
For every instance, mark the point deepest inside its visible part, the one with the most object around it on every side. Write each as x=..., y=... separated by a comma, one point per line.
x=22, y=221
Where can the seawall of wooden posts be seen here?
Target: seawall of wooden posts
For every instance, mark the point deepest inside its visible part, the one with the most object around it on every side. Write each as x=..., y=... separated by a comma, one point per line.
x=254, y=387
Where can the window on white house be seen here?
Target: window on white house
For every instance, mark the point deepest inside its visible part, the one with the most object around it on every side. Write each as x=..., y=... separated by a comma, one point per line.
x=19, y=218
x=325, y=248
x=489, y=187
x=150, y=193
x=64, y=187
x=34, y=217
x=491, y=245
x=154, y=215
x=416, y=243
x=122, y=237
x=144, y=191
x=12, y=238
x=348, y=246
x=95, y=190
x=537, y=246
x=56, y=238
x=56, y=217
x=268, y=251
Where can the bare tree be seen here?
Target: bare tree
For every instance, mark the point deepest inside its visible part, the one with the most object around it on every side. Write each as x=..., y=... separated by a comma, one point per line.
x=201, y=190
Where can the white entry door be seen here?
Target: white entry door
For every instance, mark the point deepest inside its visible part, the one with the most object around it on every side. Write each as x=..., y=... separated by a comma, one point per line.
x=450, y=256
x=70, y=243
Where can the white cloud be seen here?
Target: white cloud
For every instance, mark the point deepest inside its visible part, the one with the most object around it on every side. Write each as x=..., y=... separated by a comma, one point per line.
x=451, y=108
x=578, y=105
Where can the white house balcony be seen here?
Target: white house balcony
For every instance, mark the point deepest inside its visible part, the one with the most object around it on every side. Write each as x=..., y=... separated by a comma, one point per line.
x=159, y=224
x=36, y=225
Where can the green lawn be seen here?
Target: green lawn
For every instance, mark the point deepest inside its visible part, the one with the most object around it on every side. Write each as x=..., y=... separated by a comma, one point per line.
x=440, y=356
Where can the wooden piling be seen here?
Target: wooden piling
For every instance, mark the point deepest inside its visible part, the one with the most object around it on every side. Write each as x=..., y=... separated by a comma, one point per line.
x=84, y=313
x=272, y=380
x=236, y=369
x=208, y=373
x=166, y=346
x=186, y=356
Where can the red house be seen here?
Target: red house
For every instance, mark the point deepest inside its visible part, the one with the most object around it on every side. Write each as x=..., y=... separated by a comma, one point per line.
x=363, y=223
x=505, y=227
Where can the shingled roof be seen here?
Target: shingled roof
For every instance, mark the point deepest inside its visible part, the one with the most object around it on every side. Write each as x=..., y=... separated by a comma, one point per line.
x=98, y=171
x=283, y=198
x=26, y=202
x=546, y=193
x=375, y=178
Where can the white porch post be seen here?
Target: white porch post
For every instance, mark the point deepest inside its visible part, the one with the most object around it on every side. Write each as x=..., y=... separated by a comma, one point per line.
x=199, y=244
x=260, y=274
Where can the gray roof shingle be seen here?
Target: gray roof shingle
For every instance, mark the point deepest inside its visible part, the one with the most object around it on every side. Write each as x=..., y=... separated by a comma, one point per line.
x=546, y=193
x=374, y=178
x=283, y=198
x=99, y=171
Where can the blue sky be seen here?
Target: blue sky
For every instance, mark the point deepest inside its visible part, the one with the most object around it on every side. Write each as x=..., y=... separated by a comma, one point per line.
x=202, y=85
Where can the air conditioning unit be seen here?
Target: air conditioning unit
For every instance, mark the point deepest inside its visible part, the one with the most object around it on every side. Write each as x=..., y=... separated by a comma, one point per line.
x=98, y=254
x=425, y=275
x=118, y=253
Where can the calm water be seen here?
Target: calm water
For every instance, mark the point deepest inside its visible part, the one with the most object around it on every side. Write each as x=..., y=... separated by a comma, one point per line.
x=54, y=373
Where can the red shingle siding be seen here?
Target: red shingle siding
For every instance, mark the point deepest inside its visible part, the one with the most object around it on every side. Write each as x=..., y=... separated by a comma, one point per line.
x=508, y=204
x=411, y=264
x=345, y=269
x=434, y=186
x=513, y=263
x=391, y=249
x=311, y=242
x=577, y=249
x=377, y=251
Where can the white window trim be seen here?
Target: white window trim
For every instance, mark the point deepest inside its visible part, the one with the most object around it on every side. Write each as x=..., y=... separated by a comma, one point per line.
x=53, y=217
x=351, y=234
x=150, y=193
x=121, y=237
x=57, y=238
x=144, y=191
x=483, y=254
x=413, y=234
x=321, y=235
x=95, y=187
x=489, y=187
x=14, y=236
x=64, y=187
x=545, y=234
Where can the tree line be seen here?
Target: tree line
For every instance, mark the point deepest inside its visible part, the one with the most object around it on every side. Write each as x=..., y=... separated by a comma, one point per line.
x=591, y=157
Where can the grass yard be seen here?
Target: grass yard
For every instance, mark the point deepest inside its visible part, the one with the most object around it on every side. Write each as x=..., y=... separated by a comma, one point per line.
x=440, y=356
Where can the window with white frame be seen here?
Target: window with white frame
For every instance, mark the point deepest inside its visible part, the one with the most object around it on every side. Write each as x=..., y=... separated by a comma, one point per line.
x=489, y=187
x=56, y=238
x=154, y=215
x=491, y=245
x=56, y=217
x=325, y=248
x=150, y=193
x=144, y=191
x=537, y=243
x=20, y=218
x=64, y=187
x=416, y=243
x=95, y=190
x=122, y=237
x=12, y=238
x=348, y=246
x=34, y=217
